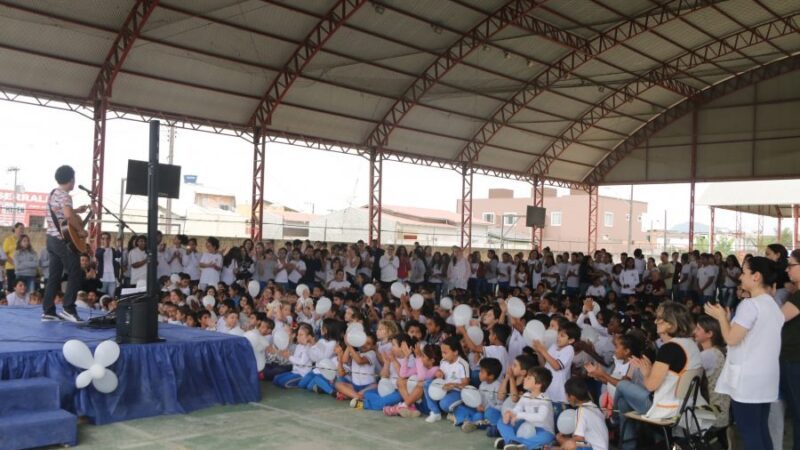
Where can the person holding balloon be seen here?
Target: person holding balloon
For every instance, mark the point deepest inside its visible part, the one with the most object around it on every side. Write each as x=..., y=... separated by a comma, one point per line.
x=363, y=364
x=558, y=359
x=470, y=414
x=301, y=363
x=530, y=424
x=444, y=391
x=588, y=425
x=331, y=331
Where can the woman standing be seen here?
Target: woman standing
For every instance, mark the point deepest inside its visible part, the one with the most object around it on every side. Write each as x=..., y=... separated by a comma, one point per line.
x=790, y=348
x=26, y=263
x=731, y=280
x=751, y=372
x=778, y=254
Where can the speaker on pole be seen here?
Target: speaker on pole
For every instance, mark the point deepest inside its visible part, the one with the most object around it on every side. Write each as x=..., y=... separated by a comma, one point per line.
x=535, y=217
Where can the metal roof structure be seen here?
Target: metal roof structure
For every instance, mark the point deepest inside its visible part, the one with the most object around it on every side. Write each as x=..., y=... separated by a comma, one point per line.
x=775, y=199
x=576, y=92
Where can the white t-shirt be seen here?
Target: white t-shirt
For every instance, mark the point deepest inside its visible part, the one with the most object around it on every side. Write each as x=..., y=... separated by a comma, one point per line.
x=560, y=376
x=503, y=272
x=137, y=273
x=572, y=277
x=228, y=274
x=389, y=268
x=177, y=264
x=538, y=411
x=281, y=276
x=209, y=276
x=14, y=300
x=489, y=394
x=591, y=424
x=640, y=264
x=628, y=279
x=704, y=275
x=108, y=266
x=499, y=353
x=163, y=266
x=516, y=342
x=364, y=374
x=190, y=265
x=686, y=275
x=596, y=291
x=456, y=371
x=338, y=285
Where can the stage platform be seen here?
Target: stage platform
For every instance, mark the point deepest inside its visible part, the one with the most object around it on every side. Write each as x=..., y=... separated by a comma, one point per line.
x=192, y=369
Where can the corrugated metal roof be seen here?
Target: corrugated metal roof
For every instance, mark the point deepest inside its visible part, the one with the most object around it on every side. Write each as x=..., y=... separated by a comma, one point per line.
x=212, y=62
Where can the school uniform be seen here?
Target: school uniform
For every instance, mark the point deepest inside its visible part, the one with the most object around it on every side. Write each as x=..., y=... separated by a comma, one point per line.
x=536, y=410
x=362, y=376
x=564, y=356
x=323, y=349
x=591, y=425
x=453, y=373
x=301, y=365
x=489, y=399
x=209, y=276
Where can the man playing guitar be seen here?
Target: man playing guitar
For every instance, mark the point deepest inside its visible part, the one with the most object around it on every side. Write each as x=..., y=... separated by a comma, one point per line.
x=62, y=258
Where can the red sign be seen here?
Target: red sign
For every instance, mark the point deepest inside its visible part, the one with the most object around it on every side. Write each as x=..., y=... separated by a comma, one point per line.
x=31, y=206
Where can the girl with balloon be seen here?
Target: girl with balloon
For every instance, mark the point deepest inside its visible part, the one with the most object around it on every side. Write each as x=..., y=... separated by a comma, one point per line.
x=530, y=424
x=331, y=332
x=397, y=361
x=301, y=362
x=363, y=364
x=443, y=392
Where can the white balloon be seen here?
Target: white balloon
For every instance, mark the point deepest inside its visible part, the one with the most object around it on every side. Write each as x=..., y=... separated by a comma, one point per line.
x=595, y=307
x=97, y=371
x=107, y=383
x=83, y=379
x=327, y=369
x=323, y=305
x=281, y=340
x=78, y=354
x=369, y=289
x=534, y=331
x=356, y=337
x=398, y=289
x=471, y=396
x=436, y=390
x=254, y=288
x=516, y=307
x=567, y=421
x=550, y=337
x=446, y=303
x=416, y=301
x=301, y=289
x=475, y=335
x=461, y=315
x=385, y=387
x=411, y=383
x=174, y=278
x=106, y=353
x=354, y=325
x=526, y=431
x=209, y=300
x=589, y=334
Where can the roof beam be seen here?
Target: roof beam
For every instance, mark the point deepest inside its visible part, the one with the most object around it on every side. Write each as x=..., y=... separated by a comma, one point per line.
x=305, y=52
x=567, y=65
x=122, y=45
x=511, y=12
x=709, y=51
x=664, y=119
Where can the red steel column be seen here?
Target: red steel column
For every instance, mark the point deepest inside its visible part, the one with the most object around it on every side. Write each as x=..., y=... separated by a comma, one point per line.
x=593, y=213
x=98, y=168
x=538, y=201
x=375, y=196
x=711, y=231
x=257, y=199
x=466, y=207
x=693, y=176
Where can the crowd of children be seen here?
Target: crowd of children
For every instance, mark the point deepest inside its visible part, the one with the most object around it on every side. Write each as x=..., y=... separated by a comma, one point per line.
x=307, y=301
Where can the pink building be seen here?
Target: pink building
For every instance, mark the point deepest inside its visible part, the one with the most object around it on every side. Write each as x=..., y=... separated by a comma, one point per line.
x=566, y=224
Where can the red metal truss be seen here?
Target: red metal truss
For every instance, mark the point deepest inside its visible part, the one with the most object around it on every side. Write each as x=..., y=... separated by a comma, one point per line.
x=305, y=52
x=538, y=202
x=779, y=214
x=466, y=207
x=477, y=36
x=257, y=198
x=100, y=93
x=567, y=65
x=593, y=213
x=661, y=120
x=664, y=73
x=375, y=197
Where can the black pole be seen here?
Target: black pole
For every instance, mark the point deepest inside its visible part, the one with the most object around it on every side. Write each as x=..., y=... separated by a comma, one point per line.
x=152, y=231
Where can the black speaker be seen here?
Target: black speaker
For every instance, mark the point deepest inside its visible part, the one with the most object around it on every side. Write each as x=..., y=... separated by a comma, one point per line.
x=535, y=217
x=137, y=321
x=169, y=179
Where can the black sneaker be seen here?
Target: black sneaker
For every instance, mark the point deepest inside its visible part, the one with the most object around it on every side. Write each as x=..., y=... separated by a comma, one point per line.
x=70, y=316
x=499, y=443
x=50, y=317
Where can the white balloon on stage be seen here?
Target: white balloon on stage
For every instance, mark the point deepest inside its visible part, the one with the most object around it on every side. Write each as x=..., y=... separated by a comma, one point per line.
x=95, y=368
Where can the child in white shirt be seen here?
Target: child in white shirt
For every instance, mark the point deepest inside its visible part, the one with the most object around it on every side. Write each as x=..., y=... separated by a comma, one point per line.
x=364, y=365
x=232, y=324
x=301, y=362
x=558, y=359
x=535, y=409
x=468, y=418
x=590, y=427
x=454, y=369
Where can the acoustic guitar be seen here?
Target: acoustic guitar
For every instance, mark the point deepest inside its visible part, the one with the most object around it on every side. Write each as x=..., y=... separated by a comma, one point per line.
x=72, y=235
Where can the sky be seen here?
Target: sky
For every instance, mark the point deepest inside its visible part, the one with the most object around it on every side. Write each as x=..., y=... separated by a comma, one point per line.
x=38, y=140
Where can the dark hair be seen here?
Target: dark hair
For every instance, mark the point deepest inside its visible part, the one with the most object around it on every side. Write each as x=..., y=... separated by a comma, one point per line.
x=542, y=376
x=492, y=366
x=65, y=174
x=572, y=330
x=270, y=323
x=454, y=342
x=632, y=343
x=214, y=242
x=795, y=254
x=780, y=250
x=334, y=329
x=416, y=324
x=502, y=331
x=577, y=388
x=183, y=239
x=527, y=362
x=764, y=266
x=433, y=352
x=711, y=325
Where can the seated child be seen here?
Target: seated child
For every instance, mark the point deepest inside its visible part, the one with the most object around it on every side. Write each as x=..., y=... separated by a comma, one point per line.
x=454, y=369
x=426, y=365
x=590, y=429
x=534, y=408
x=469, y=418
x=363, y=367
x=301, y=363
x=231, y=325
x=398, y=361
x=331, y=331
x=558, y=359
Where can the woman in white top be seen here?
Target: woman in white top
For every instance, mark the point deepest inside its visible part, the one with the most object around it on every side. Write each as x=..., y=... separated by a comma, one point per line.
x=210, y=264
x=751, y=372
x=629, y=278
x=678, y=354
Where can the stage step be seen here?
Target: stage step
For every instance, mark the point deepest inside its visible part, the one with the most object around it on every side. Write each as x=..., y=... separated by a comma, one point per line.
x=28, y=395
x=38, y=429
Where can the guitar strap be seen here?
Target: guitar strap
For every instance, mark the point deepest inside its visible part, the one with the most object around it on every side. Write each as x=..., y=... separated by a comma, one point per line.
x=53, y=215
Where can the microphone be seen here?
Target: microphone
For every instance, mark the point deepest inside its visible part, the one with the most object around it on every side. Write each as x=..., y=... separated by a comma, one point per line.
x=83, y=188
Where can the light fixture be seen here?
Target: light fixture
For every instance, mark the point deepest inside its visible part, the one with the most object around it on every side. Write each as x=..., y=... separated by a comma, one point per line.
x=436, y=28
x=507, y=55
x=530, y=63
x=378, y=8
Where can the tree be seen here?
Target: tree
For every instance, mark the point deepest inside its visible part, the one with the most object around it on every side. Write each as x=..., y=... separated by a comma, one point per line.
x=786, y=237
x=724, y=245
x=701, y=244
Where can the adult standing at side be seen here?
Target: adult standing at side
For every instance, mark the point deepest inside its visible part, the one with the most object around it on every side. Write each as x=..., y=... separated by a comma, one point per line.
x=790, y=347
x=751, y=372
x=61, y=257
x=10, y=247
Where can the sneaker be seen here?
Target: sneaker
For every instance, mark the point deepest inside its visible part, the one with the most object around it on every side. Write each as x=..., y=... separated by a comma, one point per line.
x=482, y=423
x=50, y=317
x=451, y=418
x=315, y=389
x=356, y=404
x=433, y=418
x=70, y=316
x=391, y=411
x=469, y=427
x=409, y=412
x=499, y=444
x=514, y=447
